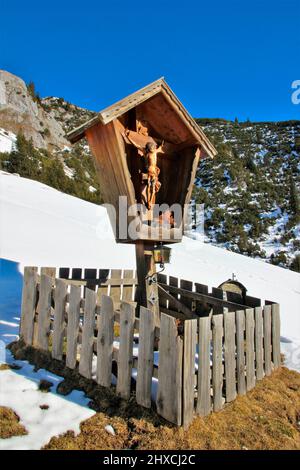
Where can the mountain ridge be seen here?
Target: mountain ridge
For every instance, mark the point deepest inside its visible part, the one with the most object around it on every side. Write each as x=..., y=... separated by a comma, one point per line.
x=250, y=190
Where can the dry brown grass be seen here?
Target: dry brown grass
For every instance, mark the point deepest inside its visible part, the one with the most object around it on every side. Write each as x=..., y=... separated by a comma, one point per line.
x=5, y=366
x=9, y=424
x=266, y=418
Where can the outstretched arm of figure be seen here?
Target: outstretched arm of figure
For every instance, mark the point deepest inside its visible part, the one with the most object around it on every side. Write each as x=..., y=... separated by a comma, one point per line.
x=160, y=148
x=133, y=142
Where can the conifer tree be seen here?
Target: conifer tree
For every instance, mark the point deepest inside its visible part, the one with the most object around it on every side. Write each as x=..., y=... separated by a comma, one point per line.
x=294, y=201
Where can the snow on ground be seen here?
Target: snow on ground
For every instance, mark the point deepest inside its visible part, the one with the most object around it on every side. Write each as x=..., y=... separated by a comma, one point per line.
x=40, y=226
x=7, y=140
x=19, y=388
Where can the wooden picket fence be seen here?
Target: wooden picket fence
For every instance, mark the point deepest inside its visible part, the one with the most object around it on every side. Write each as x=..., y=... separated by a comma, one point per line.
x=206, y=356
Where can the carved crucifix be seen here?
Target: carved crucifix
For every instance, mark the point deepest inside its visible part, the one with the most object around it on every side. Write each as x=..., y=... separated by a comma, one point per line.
x=147, y=148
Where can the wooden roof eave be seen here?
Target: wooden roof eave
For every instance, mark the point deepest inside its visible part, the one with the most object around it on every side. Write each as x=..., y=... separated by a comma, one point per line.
x=116, y=110
x=194, y=128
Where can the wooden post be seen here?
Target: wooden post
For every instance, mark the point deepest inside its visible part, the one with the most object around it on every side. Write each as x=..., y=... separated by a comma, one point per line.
x=73, y=326
x=145, y=358
x=28, y=304
x=105, y=341
x=43, y=330
x=125, y=356
x=169, y=391
x=60, y=300
x=217, y=368
x=147, y=291
x=276, y=335
x=230, y=356
x=204, y=373
x=188, y=366
x=240, y=351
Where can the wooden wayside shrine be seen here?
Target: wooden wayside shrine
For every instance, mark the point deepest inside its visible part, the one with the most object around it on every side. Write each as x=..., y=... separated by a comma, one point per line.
x=165, y=342
x=120, y=138
x=146, y=148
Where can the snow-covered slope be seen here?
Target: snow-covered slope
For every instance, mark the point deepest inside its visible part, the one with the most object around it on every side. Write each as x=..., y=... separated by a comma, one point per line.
x=7, y=140
x=44, y=227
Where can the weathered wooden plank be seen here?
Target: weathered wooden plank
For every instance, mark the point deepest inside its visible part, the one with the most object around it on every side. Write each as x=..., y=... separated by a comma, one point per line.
x=276, y=335
x=105, y=341
x=64, y=273
x=127, y=294
x=60, y=299
x=115, y=290
x=250, y=352
x=267, y=338
x=86, y=353
x=90, y=275
x=182, y=309
x=102, y=289
x=142, y=272
x=49, y=271
x=145, y=358
x=252, y=301
x=188, y=363
x=152, y=290
x=173, y=282
x=187, y=301
x=125, y=358
x=259, y=350
x=202, y=308
x=217, y=321
x=76, y=274
x=218, y=294
x=240, y=349
x=29, y=299
x=169, y=393
x=210, y=298
x=162, y=278
x=234, y=297
x=73, y=326
x=108, y=148
x=204, y=371
x=42, y=341
x=229, y=355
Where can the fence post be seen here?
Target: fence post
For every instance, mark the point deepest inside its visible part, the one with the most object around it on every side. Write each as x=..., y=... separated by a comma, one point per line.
x=29, y=297
x=240, y=349
x=44, y=312
x=267, y=338
x=125, y=356
x=217, y=321
x=204, y=374
x=259, y=349
x=276, y=335
x=250, y=354
x=87, y=345
x=145, y=357
x=59, y=318
x=73, y=326
x=188, y=364
x=169, y=394
x=229, y=355
x=105, y=341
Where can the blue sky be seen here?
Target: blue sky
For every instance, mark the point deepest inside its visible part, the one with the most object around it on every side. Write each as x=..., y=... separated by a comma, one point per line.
x=222, y=58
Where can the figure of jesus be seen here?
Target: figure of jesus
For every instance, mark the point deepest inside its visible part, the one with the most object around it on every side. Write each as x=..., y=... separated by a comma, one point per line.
x=150, y=183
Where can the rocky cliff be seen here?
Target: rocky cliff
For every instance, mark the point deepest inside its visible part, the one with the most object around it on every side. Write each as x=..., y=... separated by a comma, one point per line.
x=21, y=111
x=250, y=190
